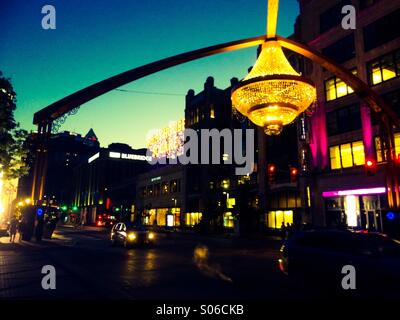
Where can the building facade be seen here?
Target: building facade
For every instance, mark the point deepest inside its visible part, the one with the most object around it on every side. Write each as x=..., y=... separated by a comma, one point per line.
x=105, y=183
x=343, y=179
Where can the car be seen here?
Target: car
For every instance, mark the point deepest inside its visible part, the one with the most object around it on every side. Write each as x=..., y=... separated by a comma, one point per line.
x=318, y=257
x=129, y=234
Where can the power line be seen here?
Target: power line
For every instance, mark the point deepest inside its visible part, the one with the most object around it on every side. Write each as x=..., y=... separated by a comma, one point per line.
x=151, y=92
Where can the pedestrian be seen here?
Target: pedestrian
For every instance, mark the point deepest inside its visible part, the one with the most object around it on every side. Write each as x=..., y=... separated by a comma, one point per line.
x=20, y=228
x=13, y=229
x=283, y=231
x=289, y=229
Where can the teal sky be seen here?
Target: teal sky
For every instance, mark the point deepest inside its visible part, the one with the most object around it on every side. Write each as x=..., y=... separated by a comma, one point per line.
x=98, y=39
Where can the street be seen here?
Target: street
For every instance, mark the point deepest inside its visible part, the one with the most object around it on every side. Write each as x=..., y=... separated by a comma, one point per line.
x=87, y=267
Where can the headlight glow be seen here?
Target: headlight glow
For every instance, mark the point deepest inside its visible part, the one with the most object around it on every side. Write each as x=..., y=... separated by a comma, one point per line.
x=132, y=236
x=151, y=235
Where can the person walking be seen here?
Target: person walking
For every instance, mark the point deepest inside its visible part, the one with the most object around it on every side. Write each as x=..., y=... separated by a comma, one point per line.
x=13, y=229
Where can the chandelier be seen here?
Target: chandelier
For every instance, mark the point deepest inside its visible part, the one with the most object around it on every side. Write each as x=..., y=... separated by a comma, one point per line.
x=273, y=94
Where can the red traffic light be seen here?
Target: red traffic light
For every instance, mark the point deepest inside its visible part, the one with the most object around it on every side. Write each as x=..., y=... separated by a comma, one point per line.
x=293, y=171
x=271, y=168
x=370, y=164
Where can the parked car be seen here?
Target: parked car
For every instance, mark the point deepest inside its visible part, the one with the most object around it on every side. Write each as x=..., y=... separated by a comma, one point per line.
x=128, y=234
x=320, y=255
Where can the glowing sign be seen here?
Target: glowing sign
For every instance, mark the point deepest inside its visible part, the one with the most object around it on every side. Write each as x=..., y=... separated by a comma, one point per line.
x=94, y=157
x=128, y=156
x=155, y=179
x=167, y=142
x=356, y=192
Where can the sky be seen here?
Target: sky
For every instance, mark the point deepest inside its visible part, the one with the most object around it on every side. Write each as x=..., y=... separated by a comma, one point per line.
x=96, y=39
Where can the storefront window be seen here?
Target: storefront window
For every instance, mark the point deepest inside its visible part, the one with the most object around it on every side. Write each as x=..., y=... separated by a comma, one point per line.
x=275, y=219
x=193, y=218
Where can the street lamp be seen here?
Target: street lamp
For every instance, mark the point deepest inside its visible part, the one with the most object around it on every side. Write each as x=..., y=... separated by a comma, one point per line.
x=273, y=94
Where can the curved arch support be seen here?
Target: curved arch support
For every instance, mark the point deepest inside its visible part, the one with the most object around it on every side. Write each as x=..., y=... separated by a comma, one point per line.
x=57, y=109
x=360, y=87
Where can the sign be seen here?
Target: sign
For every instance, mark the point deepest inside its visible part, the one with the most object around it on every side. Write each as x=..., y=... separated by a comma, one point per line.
x=156, y=179
x=129, y=156
x=94, y=157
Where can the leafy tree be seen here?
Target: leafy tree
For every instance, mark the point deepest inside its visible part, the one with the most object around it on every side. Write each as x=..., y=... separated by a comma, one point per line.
x=13, y=150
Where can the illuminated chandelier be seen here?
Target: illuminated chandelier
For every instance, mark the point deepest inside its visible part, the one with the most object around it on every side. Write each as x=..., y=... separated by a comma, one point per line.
x=273, y=94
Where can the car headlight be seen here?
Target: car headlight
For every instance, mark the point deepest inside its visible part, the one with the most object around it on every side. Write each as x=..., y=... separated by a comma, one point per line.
x=132, y=236
x=151, y=235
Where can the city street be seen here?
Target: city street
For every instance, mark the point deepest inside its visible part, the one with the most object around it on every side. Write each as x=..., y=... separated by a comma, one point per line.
x=89, y=268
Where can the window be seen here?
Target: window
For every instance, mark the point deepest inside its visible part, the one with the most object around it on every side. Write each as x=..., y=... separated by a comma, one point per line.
x=229, y=221
x=165, y=188
x=347, y=155
x=381, y=31
x=393, y=98
x=331, y=17
x=378, y=148
x=275, y=219
x=336, y=88
x=342, y=50
x=174, y=186
x=193, y=218
x=212, y=111
x=384, y=68
x=367, y=3
x=343, y=120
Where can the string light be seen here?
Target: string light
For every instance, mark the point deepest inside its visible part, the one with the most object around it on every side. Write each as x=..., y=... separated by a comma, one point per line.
x=167, y=142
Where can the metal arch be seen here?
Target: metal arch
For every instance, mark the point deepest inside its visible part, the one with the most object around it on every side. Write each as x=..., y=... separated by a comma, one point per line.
x=374, y=101
x=67, y=104
x=58, y=108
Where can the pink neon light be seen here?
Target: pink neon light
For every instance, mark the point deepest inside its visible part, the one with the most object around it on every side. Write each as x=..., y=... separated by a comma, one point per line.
x=354, y=192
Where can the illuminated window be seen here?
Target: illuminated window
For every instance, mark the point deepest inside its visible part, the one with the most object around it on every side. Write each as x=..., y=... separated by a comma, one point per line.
x=336, y=88
x=384, y=68
x=165, y=188
x=358, y=153
x=347, y=155
x=275, y=219
x=212, y=111
x=229, y=221
x=193, y=218
x=378, y=148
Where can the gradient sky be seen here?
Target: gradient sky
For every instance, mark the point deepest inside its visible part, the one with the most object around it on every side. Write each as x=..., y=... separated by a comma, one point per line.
x=97, y=39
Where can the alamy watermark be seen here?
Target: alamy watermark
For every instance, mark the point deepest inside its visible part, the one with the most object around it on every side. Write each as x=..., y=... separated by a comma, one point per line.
x=49, y=280
x=204, y=147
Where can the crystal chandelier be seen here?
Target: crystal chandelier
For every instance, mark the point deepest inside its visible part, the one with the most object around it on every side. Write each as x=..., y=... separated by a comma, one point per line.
x=273, y=94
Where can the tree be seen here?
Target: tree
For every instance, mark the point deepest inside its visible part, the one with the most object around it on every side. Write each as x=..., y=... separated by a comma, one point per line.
x=13, y=150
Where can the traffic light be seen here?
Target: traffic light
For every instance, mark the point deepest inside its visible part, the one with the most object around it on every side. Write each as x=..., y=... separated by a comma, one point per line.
x=294, y=172
x=370, y=167
x=64, y=208
x=271, y=173
x=74, y=208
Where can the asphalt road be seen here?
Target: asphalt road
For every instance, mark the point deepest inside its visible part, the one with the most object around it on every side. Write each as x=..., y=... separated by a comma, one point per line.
x=176, y=267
